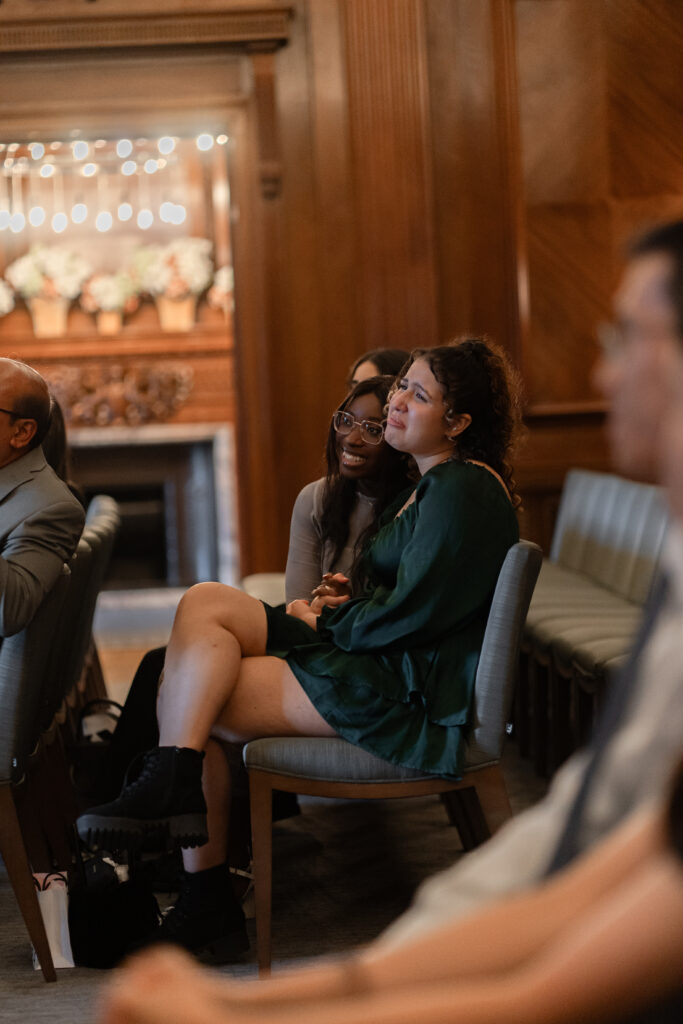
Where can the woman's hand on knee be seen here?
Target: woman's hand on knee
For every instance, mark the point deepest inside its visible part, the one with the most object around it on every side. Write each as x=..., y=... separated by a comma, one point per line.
x=301, y=609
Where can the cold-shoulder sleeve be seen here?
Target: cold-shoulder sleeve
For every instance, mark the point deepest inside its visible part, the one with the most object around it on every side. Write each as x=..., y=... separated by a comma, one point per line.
x=456, y=535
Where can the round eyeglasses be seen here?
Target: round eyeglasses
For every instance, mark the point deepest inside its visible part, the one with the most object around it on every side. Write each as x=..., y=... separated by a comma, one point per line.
x=371, y=431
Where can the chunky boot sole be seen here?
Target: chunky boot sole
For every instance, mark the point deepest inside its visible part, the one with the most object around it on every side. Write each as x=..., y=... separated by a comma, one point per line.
x=107, y=832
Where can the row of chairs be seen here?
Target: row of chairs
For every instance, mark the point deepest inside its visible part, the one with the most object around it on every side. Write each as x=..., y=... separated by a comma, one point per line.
x=48, y=672
x=54, y=670
x=585, y=610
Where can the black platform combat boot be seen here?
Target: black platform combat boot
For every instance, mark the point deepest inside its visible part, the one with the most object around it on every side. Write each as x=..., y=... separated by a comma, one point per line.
x=161, y=805
x=207, y=919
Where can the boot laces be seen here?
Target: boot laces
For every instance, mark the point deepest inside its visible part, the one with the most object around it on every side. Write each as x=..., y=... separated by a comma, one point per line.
x=145, y=765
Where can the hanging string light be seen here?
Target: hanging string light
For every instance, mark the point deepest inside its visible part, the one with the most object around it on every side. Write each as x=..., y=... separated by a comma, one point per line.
x=65, y=167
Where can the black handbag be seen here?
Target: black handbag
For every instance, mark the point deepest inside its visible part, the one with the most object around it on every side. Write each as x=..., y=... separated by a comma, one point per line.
x=108, y=918
x=91, y=755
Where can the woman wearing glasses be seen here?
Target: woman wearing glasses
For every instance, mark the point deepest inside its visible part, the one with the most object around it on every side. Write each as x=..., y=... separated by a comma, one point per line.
x=391, y=670
x=333, y=516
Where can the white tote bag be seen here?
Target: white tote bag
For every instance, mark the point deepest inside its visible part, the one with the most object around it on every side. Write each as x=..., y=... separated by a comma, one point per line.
x=53, y=900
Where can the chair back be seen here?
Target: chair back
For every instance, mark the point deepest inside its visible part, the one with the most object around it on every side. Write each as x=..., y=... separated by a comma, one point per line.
x=102, y=521
x=497, y=668
x=73, y=633
x=611, y=530
x=101, y=525
x=24, y=661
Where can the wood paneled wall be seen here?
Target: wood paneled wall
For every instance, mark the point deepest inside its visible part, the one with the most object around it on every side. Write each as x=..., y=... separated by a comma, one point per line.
x=474, y=169
x=444, y=166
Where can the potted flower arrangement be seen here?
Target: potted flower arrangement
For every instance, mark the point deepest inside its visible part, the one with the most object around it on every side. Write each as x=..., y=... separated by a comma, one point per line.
x=109, y=296
x=48, y=278
x=6, y=298
x=220, y=294
x=175, y=275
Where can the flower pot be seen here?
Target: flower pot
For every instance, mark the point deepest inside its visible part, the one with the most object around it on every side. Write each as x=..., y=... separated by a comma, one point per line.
x=176, y=314
x=109, y=321
x=49, y=316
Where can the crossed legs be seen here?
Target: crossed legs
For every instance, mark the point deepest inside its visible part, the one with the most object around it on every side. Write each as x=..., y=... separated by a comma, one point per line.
x=218, y=682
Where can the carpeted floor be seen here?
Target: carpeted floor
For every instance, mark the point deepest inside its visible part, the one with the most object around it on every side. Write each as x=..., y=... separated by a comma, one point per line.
x=342, y=872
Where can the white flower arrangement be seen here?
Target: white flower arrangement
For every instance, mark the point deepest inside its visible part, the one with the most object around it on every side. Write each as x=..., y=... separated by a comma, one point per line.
x=48, y=272
x=6, y=299
x=219, y=295
x=181, y=268
x=107, y=292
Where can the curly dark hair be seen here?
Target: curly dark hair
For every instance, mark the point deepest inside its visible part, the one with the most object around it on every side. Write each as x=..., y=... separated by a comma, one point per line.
x=477, y=378
x=339, y=495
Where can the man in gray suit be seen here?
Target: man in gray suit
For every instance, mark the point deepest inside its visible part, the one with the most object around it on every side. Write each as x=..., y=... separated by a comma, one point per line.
x=40, y=519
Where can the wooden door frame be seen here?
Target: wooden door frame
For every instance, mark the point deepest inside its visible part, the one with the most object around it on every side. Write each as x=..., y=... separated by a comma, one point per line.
x=257, y=32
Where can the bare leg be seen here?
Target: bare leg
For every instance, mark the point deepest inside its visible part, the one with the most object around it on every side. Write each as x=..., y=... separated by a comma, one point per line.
x=218, y=679
x=215, y=627
x=216, y=786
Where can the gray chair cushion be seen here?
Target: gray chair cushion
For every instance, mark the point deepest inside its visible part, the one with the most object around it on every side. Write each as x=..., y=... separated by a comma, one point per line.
x=329, y=760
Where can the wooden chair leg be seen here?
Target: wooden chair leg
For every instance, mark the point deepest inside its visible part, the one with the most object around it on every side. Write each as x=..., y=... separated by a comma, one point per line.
x=37, y=848
x=465, y=813
x=55, y=799
x=521, y=705
x=19, y=873
x=261, y=806
x=539, y=715
x=489, y=785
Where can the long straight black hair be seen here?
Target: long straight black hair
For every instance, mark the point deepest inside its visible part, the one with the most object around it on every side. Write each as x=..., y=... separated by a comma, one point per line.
x=395, y=472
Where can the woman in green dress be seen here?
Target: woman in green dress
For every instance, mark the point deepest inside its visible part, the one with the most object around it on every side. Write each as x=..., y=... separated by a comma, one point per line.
x=392, y=670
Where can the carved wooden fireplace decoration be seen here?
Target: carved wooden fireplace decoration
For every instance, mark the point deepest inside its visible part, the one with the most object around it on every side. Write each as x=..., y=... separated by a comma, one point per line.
x=99, y=77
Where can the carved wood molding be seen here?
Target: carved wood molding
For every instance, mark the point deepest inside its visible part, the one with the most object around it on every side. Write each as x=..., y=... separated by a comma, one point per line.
x=270, y=167
x=264, y=28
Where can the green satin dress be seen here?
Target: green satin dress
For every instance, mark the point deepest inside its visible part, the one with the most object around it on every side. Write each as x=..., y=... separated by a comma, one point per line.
x=393, y=671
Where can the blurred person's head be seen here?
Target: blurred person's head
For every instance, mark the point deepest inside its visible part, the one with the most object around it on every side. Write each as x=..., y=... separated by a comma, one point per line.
x=642, y=352
x=24, y=409
x=377, y=362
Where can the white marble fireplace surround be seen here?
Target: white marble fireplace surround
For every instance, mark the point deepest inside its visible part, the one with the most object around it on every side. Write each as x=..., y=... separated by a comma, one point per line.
x=194, y=464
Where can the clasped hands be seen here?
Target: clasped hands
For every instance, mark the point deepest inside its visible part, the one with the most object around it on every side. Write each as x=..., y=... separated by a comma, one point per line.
x=334, y=589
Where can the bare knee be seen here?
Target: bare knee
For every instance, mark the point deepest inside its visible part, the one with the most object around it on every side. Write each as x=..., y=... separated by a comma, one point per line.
x=207, y=606
x=206, y=601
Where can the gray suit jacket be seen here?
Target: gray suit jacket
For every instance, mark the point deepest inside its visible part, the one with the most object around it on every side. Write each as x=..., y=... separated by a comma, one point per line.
x=40, y=523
